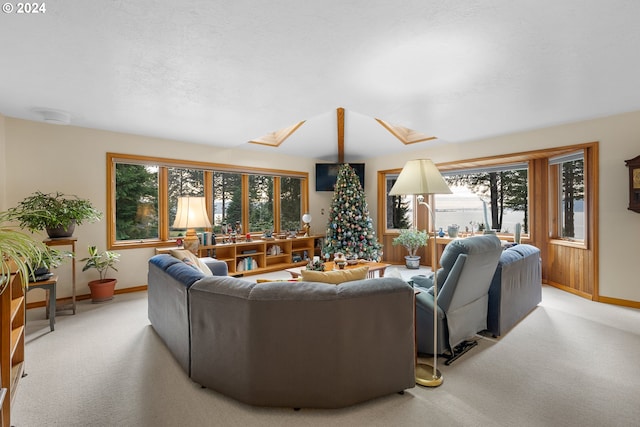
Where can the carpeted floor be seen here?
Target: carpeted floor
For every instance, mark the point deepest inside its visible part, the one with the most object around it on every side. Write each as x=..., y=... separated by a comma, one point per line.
x=571, y=362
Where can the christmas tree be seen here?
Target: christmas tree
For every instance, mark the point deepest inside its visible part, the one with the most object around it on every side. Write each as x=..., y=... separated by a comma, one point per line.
x=350, y=230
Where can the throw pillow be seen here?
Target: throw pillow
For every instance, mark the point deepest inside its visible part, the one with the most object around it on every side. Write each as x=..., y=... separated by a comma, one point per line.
x=190, y=259
x=335, y=277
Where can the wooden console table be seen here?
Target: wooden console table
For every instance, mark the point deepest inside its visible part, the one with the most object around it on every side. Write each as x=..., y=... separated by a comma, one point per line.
x=67, y=241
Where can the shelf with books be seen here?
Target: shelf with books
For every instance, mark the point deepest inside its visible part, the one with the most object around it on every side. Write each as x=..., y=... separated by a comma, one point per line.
x=267, y=255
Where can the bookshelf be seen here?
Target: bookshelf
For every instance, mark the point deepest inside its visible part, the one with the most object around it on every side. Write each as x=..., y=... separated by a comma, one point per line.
x=264, y=254
x=12, y=324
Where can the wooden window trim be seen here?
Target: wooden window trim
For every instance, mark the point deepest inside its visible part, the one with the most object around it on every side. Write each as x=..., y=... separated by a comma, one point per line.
x=164, y=239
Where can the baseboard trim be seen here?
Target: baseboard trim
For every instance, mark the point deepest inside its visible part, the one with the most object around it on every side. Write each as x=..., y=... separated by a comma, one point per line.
x=621, y=302
x=570, y=290
x=83, y=297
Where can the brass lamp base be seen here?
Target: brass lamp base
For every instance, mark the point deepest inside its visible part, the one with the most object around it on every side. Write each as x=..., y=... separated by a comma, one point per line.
x=425, y=377
x=191, y=241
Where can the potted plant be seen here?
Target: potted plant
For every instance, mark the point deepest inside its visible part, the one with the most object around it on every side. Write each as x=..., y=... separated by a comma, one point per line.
x=51, y=258
x=102, y=289
x=57, y=213
x=17, y=251
x=412, y=240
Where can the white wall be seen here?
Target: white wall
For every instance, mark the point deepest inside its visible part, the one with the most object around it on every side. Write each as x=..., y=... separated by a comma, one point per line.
x=73, y=160
x=3, y=164
x=619, y=138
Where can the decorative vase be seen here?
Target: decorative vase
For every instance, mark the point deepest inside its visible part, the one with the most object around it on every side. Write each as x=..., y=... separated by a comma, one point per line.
x=452, y=230
x=412, y=262
x=102, y=290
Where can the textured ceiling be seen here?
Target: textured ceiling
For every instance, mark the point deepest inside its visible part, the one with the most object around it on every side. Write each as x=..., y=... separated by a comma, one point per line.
x=226, y=72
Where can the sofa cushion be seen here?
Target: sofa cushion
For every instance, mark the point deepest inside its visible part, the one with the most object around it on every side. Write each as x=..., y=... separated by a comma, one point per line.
x=335, y=277
x=190, y=259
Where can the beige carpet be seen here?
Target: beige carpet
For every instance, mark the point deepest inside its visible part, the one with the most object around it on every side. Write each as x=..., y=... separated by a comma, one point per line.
x=571, y=362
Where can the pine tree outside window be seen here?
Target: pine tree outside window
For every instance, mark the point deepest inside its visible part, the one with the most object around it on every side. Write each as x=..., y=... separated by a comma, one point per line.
x=261, y=203
x=136, y=202
x=399, y=208
x=290, y=209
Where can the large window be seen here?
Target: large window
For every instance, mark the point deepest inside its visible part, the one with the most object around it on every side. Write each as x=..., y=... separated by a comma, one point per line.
x=492, y=197
x=143, y=194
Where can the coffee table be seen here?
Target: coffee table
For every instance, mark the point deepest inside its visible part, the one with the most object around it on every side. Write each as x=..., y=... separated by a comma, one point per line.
x=328, y=266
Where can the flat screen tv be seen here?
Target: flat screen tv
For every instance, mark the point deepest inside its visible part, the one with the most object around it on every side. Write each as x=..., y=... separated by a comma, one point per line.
x=327, y=174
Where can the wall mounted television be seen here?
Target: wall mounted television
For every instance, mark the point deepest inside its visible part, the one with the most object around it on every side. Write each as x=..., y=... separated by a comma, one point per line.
x=327, y=174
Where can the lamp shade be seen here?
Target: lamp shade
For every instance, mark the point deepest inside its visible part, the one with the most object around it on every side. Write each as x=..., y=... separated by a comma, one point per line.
x=191, y=213
x=306, y=217
x=420, y=176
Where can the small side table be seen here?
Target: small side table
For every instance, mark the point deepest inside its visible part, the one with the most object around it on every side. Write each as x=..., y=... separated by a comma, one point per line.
x=49, y=286
x=67, y=241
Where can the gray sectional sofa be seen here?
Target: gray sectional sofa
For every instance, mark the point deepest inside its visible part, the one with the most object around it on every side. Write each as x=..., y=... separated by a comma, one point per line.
x=302, y=344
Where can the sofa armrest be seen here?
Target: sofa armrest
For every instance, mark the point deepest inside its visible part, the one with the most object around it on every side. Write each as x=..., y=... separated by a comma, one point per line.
x=217, y=267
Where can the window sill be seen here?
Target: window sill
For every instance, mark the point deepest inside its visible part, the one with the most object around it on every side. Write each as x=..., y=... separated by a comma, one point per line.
x=569, y=243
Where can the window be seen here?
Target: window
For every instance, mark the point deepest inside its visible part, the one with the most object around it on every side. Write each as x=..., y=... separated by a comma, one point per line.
x=136, y=202
x=290, y=194
x=261, y=203
x=567, y=177
x=143, y=193
x=399, y=210
x=495, y=197
x=227, y=200
x=183, y=182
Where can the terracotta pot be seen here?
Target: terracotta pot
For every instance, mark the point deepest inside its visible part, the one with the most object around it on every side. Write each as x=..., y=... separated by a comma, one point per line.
x=102, y=290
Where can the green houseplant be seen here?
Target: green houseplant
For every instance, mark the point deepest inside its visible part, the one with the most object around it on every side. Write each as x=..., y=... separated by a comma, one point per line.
x=18, y=251
x=51, y=258
x=102, y=289
x=57, y=213
x=412, y=240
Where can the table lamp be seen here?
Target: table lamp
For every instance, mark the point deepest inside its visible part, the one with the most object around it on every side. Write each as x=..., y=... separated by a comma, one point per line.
x=191, y=214
x=306, y=219
x=421, y=177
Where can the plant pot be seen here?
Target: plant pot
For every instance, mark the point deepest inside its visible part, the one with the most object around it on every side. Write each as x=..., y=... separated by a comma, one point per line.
x=61, y=231
x=102, y=290
x=412, y=262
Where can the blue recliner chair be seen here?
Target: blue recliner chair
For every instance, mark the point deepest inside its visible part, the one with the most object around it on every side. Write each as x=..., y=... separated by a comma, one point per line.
x=468, y=265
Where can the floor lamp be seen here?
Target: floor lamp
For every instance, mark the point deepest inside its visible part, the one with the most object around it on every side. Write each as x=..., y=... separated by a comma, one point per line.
x=191, y=214
x=421, y=177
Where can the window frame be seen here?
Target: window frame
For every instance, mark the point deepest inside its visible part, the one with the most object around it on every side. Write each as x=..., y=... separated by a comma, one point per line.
x=163, y=164
x=555, y=199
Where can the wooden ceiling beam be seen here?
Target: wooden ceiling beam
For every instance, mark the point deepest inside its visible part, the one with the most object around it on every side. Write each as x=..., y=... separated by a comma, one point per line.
x=340, y=113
